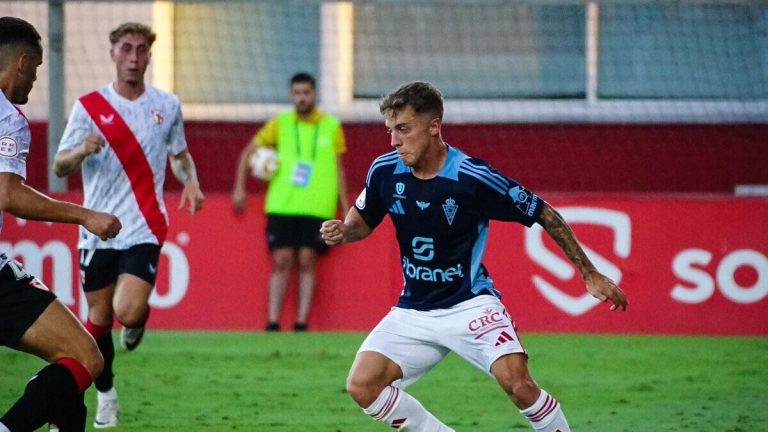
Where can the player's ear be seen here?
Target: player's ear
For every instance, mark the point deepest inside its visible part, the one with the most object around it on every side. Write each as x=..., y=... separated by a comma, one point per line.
x=21, y=60
x=434, y=126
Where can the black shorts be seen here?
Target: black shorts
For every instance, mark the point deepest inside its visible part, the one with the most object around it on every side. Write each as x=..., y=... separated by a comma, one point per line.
x=101, y=267
x=294, y=232
x=23, y=298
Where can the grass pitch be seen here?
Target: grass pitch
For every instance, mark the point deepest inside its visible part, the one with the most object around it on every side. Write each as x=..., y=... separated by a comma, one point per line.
x=295, y=382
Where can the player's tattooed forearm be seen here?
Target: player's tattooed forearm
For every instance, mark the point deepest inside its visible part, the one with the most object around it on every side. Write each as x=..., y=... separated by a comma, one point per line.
x=562, y=234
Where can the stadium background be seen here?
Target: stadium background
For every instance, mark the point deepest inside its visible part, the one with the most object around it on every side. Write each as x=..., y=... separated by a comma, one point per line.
x=655, y=113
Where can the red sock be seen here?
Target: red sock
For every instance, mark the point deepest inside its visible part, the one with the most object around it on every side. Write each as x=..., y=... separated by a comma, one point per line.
x=82, y=377
x=97, y=331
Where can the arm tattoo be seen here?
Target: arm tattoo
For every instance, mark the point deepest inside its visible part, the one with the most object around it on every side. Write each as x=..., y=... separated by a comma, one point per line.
x=562, y=234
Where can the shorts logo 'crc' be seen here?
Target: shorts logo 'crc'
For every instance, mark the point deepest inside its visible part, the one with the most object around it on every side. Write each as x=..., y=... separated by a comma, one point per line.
x=491, y=317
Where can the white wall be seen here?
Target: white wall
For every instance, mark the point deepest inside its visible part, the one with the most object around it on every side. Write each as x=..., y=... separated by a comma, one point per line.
x=87, y=26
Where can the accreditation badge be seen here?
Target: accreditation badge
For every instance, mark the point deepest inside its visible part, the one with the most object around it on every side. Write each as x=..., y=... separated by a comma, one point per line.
x=302, y=173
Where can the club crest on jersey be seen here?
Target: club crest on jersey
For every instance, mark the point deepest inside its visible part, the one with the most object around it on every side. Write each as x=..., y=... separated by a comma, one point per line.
x=158, y=116
x=107, y=119
x=450, y=208
x=8, y=147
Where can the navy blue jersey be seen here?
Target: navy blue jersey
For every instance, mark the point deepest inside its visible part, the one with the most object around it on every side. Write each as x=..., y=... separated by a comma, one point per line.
x=442, y=224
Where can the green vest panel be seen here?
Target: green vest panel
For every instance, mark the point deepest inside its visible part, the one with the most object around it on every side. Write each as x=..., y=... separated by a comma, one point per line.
x=311, y=147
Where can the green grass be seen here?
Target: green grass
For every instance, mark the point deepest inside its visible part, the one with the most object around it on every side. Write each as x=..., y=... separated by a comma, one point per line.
x=295, y=382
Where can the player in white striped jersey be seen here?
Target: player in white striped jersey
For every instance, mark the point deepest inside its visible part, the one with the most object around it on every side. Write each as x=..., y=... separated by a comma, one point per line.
x=441, y=201
x=121, y=136
x=31, y=318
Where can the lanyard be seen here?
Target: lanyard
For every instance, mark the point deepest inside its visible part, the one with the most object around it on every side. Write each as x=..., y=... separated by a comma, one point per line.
x=314, y=141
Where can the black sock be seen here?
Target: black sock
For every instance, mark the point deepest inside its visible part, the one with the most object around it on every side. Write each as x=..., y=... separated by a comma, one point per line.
x=105, y=381
x=50, y=396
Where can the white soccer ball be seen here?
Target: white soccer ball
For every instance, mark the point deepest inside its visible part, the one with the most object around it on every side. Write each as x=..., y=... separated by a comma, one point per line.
x=264, y=163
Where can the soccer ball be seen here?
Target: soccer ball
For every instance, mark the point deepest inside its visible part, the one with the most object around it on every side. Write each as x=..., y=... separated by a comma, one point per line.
x=264, y=163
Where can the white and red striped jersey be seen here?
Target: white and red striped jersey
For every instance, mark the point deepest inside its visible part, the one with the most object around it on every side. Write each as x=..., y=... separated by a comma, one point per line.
x=155, y=121
x=15, y=139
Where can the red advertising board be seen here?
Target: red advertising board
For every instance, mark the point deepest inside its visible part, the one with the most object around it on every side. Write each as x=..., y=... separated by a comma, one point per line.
x=688, y=265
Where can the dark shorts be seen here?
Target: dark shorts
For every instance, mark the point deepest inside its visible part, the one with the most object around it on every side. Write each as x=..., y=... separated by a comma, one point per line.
x=23, y=298
x=295, y=232
x=101, y=267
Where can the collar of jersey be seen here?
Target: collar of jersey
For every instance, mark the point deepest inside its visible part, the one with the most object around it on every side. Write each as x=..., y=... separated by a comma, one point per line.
x=314, y=117
x=450, y=169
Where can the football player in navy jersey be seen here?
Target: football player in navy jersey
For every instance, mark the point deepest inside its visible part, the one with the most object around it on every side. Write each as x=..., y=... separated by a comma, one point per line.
x=441, y=201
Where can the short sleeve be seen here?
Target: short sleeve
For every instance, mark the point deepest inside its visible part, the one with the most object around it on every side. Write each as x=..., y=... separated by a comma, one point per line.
x=14, y=144
x=499, y=197
x=177, y=141
x=267, y=135
x=78, y=127
x=340, y=141
x=369, y=203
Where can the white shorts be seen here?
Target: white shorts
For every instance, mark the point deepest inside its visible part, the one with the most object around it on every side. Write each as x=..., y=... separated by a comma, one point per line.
x=480, y=330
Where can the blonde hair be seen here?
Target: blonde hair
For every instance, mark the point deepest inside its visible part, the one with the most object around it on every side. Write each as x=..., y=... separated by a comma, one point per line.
x=422, y=96
x=132, y=28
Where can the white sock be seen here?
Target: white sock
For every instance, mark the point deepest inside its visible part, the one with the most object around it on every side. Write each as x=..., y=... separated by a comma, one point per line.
x=4, y=428
x=401, y=411
x=545, y=414
x=108, y=395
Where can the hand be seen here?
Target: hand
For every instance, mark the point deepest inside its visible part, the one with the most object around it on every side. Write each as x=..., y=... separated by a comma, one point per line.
x=604, y=289
x=92, y=144
x=239, y=200
x=104, y=225
x=332, y=232
x=192, y=197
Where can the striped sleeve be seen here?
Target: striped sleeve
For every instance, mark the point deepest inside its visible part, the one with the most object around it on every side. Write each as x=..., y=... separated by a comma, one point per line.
x=499, y=197
x=369, y=203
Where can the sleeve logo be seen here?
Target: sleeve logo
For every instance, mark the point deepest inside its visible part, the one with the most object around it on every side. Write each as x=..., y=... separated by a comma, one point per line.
x=525, y=201
x=8, y=147
x=360, y=201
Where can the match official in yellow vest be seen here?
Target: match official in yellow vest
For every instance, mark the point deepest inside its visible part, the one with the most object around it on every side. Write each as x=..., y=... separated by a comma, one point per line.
x=305, y=191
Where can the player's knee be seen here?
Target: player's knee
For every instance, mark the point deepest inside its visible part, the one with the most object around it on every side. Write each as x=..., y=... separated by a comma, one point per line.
x=87, y=355
x=132, y=315
x=521, y=388
x=283, y=260
x=364, y=393
x=307, y=261
x=282, y=266
x=92, y=361
x=306, y=267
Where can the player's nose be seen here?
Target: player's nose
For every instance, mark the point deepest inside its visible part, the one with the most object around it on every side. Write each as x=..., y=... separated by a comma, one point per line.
x=394, y=141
